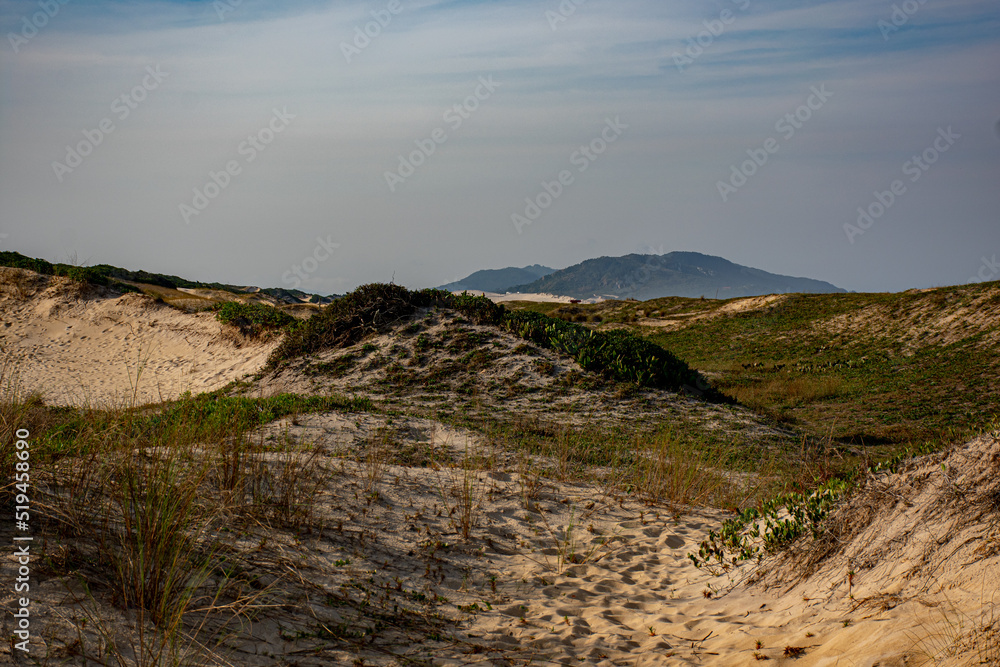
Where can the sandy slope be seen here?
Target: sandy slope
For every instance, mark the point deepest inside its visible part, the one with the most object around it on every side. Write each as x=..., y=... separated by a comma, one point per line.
x=551, y=572
x=558, y=572
x=88, y=346
x=528, y=296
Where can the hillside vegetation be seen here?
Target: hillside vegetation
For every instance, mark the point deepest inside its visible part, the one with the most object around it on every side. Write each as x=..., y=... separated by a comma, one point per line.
x=411, y=477
x=617, y=354
x=687, y=274
x=865, y=368
x=162, y=286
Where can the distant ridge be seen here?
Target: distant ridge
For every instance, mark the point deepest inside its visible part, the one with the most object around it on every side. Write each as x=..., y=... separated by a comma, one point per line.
x=686, y=274
x=498, y=280
x=102, y=274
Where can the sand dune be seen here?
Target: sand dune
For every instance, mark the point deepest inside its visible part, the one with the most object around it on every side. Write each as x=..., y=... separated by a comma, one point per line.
x=85, y=346
x=547, y=571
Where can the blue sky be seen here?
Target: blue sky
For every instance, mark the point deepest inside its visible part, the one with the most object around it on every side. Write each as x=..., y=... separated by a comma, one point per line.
x=308, y=133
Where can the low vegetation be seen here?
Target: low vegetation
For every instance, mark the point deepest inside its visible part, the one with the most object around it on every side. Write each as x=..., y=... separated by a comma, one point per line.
x=888, y=371
x=253, y=319
x=373, y=309
x=165, y=511
x=122, y=280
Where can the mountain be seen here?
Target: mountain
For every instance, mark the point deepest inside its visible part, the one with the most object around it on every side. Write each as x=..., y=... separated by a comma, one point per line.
x=498, y=280
x=688, y=274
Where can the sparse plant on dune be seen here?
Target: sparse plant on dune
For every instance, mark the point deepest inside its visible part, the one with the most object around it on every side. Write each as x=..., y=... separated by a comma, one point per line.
x=529, y=479
x=377, y=454
x=143, y=353
x=253, y=319
x=754, y=532
x=470, y=488
x=669, y=469
x=961, y=633
x=374, y=308
x=569, y=547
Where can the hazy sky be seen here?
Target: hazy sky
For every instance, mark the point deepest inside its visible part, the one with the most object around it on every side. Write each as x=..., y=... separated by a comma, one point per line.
x=233, y=141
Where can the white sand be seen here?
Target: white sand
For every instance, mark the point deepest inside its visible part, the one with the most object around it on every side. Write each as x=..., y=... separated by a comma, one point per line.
x=86, y=348
x=528, y=296
x=560, y=573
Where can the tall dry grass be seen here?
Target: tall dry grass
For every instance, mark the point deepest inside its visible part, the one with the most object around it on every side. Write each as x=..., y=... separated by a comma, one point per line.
x=137, y=503
x=674, y=470
x=781, y=390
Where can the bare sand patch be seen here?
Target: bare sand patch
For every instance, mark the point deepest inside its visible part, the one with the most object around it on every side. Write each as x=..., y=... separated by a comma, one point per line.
x=78, y=345
x=470, y=558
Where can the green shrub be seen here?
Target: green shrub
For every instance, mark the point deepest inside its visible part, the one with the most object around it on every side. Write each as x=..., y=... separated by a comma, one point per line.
x=81, y=274
x=375, y=308
x=252, y=318
x=124, y=287
x=18, y=261
x=753, y=533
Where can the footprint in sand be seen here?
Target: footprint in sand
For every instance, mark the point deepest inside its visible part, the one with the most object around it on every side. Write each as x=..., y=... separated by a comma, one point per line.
x=517, y=611
x=675, y=542
x=628, y=646
x=612, y=618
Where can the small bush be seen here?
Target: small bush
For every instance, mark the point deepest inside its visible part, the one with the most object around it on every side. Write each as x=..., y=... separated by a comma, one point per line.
x=81, y=274
x=753, y=533
x=18, y=261
x=375, y=308
x=252, y=319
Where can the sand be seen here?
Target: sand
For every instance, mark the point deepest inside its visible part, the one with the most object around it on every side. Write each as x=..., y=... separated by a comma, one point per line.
x=85, y=347
x=560, y=572
x=546, y=570
x=538, y=298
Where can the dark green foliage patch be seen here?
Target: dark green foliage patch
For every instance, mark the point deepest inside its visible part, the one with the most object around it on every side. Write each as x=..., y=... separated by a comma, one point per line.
x=375, y=308
x=252, y=319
